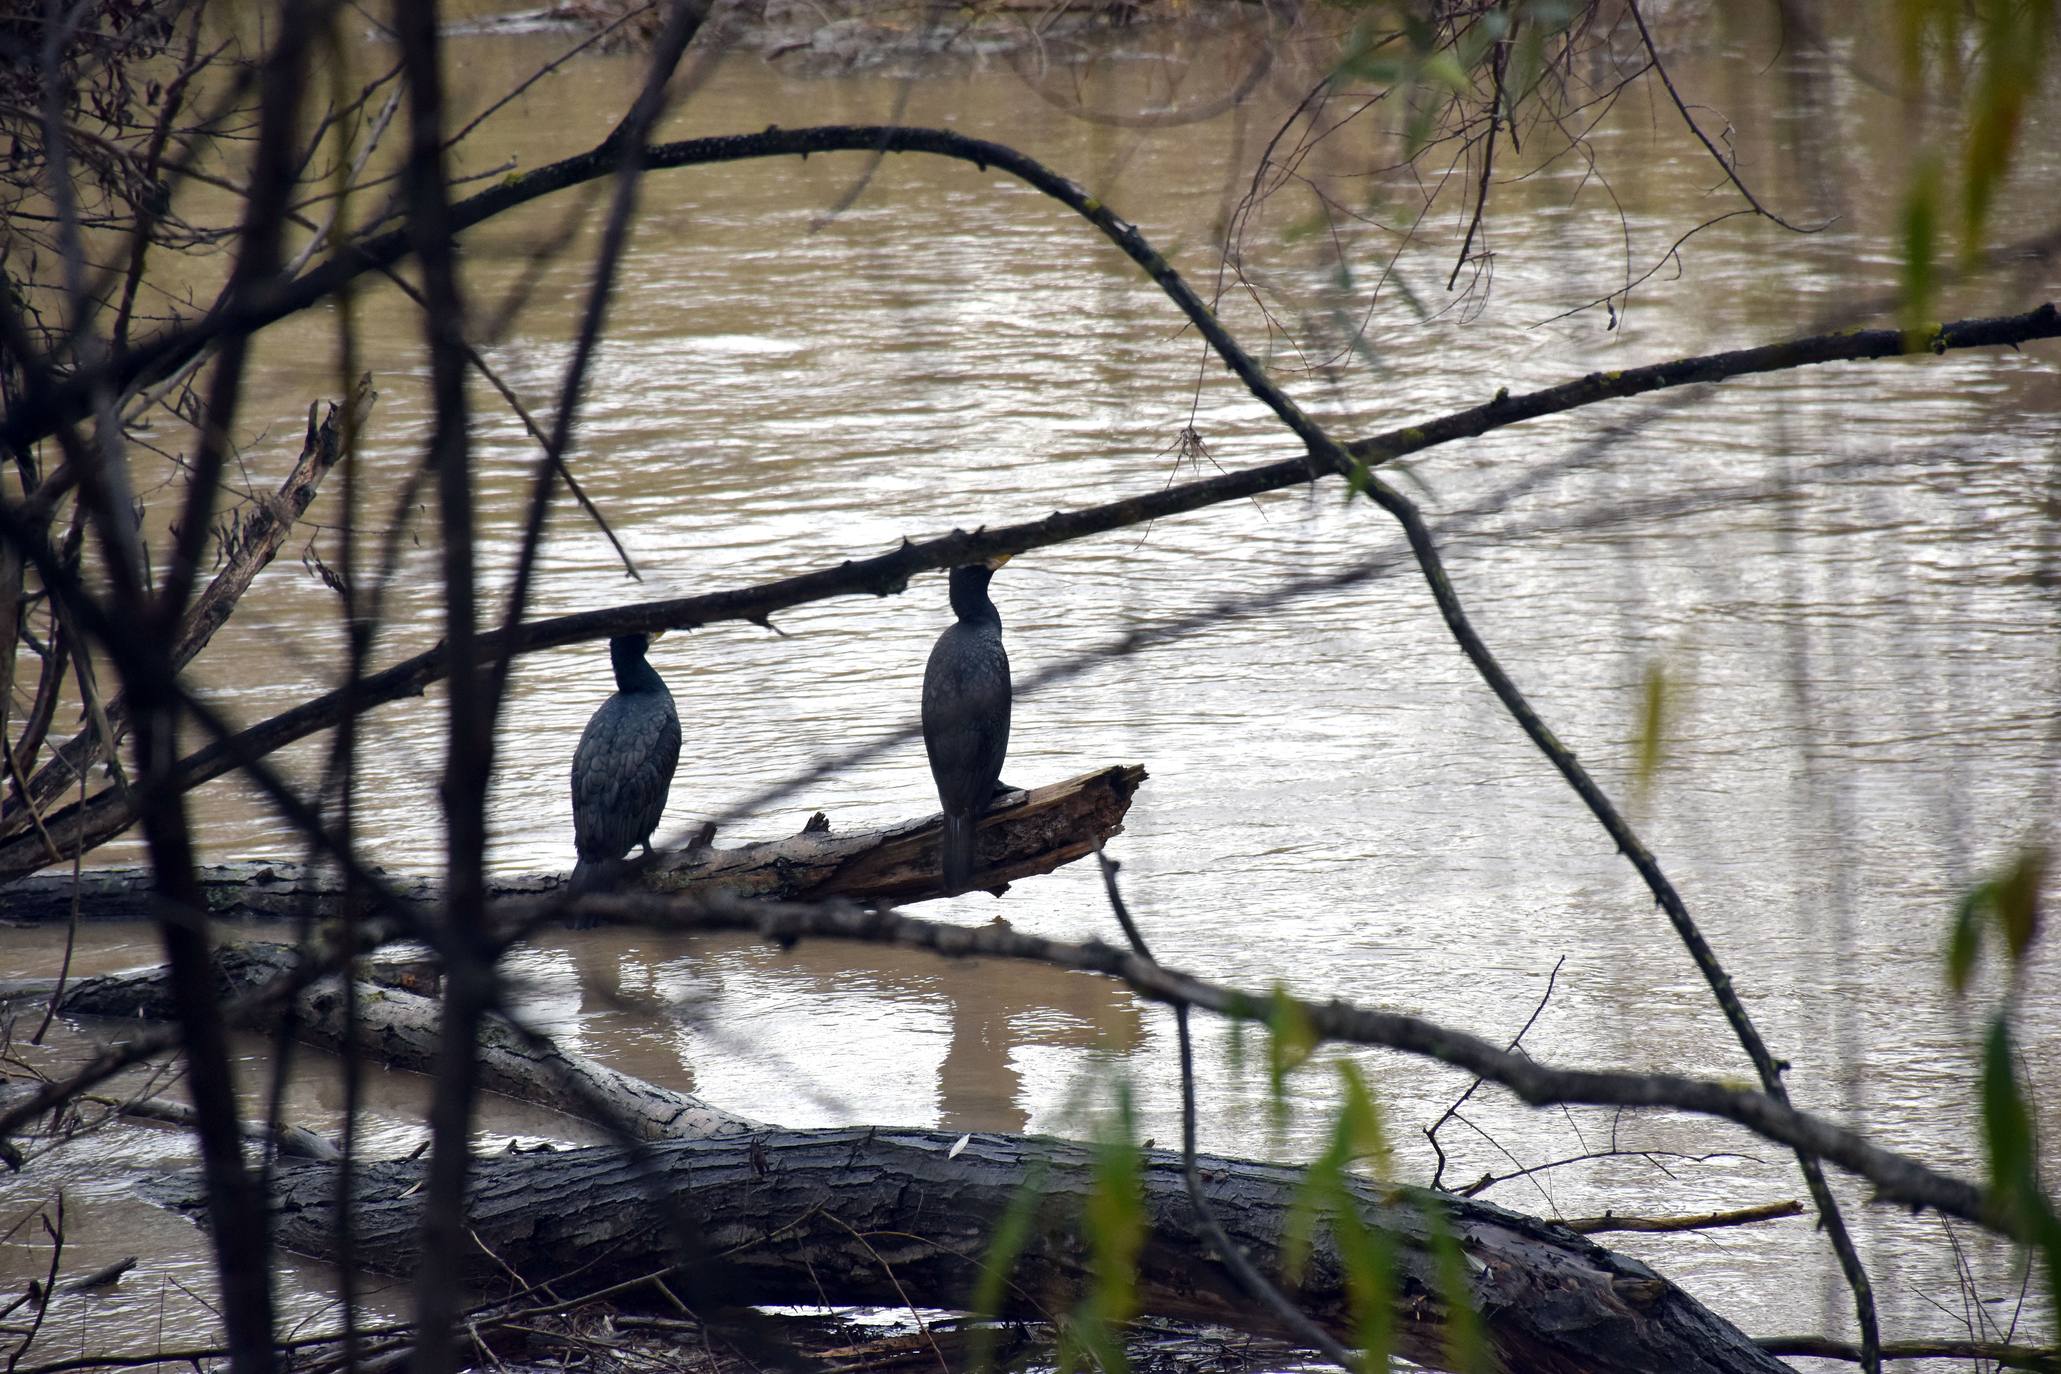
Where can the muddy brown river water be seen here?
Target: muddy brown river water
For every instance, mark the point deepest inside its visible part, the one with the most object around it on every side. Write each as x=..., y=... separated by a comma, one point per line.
x=1845, y=576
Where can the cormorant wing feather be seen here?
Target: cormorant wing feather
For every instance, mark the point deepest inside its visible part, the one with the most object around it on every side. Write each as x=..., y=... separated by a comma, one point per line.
x=622, y=772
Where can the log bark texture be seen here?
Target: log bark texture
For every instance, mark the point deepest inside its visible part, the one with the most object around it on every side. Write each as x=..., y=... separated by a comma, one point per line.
x=1028, y=833
x=872, y=1216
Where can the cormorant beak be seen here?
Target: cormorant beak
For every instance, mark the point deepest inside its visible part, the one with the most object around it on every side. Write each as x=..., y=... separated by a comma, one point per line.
x=653, y=636
x=994, y=564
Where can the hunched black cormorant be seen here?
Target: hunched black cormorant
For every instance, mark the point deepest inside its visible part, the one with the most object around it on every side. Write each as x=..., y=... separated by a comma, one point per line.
x=624, y=765
x=966, y=716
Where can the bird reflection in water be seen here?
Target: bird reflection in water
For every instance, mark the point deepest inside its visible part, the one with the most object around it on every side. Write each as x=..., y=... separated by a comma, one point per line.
x=754, y=1002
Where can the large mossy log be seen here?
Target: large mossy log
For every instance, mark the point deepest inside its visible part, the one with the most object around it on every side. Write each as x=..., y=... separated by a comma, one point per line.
x=1025, y=834
x=875, y=1216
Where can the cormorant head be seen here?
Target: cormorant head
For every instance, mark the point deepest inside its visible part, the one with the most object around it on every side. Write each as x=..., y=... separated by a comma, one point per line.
x=970, y=589
x=626, y=655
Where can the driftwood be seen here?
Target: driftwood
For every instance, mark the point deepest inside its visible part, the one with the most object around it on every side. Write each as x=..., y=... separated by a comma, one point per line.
x=869, y=1201
x=297, y=1142
x=1025, y=834
x=399, y=1029
x=874, y=1216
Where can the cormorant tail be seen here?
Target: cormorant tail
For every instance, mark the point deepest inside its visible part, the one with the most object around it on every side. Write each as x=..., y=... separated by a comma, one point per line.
x=590, y=875
x=957, y=851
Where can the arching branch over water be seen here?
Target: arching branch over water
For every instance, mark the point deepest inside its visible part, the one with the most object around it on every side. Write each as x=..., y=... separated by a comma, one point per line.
x=107, y=814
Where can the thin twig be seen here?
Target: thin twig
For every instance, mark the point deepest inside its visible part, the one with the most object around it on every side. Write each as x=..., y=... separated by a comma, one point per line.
x=629, y=135
x=1731, y=173
x=1897, y=1177
x=2045, y=1358
x=1488, y=163
x=1431, y=1132
x=49, y=1293
x=1742, y=1216
x=71, y=934
x=1228, y=1250
x=1423, y=545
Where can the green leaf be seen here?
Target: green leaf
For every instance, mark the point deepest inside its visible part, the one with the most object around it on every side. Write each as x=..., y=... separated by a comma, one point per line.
x=1069, y=1352
x=1417, y=127
x=1289, y=1047
x=2012, y=900
x=1298, y=1229
x=1321, y=1183
x=1116, y=1227
x=1360, y=1122
x=2012, y=56
x=1372, y=54
x=1357, y=479
x=1964, y=944
x=2014, y=1155
x=1468, y=53
x=1913, y=18
x=1366, y=1255
x=2006, y=1127
x=1376, y=70
x=1655, y=708
x=1527, y=64
x=2017, y=898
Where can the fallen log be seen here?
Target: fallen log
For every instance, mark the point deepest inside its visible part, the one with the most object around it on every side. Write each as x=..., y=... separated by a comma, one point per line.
x=296, y=1141
x=871, y=1216
x=1025, y=834
x=867, y=1198
x=398, y=1028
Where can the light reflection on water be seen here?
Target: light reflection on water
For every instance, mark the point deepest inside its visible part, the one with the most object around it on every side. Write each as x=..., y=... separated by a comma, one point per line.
x=1864, y=669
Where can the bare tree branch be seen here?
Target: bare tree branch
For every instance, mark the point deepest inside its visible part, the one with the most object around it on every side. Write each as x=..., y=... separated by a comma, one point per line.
x=1897, y=1178
x=887, y=574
